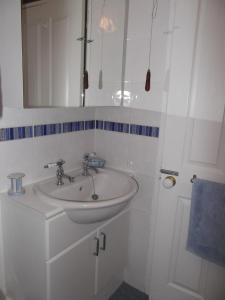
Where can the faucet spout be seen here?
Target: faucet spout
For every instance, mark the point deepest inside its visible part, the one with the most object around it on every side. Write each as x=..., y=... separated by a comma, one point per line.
x=70, y=178
x=86, y=169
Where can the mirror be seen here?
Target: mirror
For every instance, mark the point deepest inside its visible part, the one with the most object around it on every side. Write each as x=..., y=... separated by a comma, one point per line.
x=64, y=39
x=52, y=52
x=106, y=30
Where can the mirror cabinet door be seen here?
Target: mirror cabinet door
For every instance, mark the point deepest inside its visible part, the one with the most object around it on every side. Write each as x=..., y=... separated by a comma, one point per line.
x=105, y=52
x=52, y=53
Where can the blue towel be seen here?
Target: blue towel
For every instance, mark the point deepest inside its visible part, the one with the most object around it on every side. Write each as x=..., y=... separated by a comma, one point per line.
x=206, y=236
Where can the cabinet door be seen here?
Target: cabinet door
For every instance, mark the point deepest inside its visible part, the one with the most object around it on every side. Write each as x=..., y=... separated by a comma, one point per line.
x=72, y=275
x=112, y=260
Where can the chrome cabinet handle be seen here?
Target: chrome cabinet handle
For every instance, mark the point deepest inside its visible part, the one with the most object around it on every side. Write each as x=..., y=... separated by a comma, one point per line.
x=96, y=253
x=103, y=247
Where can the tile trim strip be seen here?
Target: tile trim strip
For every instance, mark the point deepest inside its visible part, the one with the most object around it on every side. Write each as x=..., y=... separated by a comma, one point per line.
x=24, y=132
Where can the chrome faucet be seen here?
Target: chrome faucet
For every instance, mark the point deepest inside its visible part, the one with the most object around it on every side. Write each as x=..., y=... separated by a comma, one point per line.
x=60, y=172
x=86, y=167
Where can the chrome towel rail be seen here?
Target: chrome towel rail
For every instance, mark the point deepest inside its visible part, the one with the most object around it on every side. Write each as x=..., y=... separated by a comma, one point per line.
x=193, y=178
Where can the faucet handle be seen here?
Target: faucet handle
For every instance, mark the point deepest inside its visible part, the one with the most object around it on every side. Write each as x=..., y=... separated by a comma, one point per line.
x=88, y=155
x=59, y=163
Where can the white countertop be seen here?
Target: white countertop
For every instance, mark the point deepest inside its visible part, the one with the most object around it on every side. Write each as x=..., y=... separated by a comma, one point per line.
x=32, y=201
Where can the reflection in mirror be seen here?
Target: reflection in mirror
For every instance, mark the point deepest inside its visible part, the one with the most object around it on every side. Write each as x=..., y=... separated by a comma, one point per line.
x=105, y=52
x=52, y=52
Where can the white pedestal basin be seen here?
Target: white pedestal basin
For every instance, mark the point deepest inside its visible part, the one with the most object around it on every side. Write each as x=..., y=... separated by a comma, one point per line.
x=113, y=190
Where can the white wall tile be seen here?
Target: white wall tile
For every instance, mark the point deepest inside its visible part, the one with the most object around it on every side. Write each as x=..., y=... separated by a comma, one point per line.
x=113, y=147
x=142, y=153
x=12, y=117
x=116, y=114
x=143, y=200
x=138, y=249
x=140, y=11
x=137, y=58
x=128, y=115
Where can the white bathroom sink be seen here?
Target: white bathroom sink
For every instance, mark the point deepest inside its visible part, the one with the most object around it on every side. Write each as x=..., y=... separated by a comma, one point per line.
x=90, y=199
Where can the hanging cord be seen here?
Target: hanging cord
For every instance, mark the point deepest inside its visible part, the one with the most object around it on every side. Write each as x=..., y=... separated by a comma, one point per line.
x=88, y=41
x=100, y=79
x=91, y=21
x=148, y=75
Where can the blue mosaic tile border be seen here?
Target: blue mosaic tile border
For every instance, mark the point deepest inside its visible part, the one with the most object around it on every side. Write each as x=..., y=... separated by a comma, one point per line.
x=142, y=130
x=89, y=125
x=16, y=133
x=115, y=126
x=99, y=124
x=48, y=129
x=73, y=126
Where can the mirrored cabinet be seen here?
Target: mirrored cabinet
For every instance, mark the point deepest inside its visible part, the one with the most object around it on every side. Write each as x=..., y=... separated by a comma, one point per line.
x=68, y=47
x=78, y=53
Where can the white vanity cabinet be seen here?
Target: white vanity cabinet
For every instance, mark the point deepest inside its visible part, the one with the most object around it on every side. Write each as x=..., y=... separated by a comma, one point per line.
x=55, y=258
x=93, y=265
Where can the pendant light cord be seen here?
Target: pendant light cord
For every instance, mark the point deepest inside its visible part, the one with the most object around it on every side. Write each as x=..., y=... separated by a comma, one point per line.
x=102, y=35
x=89, y=41
x=154, y=14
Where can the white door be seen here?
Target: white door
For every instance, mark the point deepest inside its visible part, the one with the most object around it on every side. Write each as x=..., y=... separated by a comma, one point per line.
x=194, y=143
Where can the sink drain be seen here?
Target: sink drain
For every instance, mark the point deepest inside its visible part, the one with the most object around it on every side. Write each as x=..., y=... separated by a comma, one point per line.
x=94, y=197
